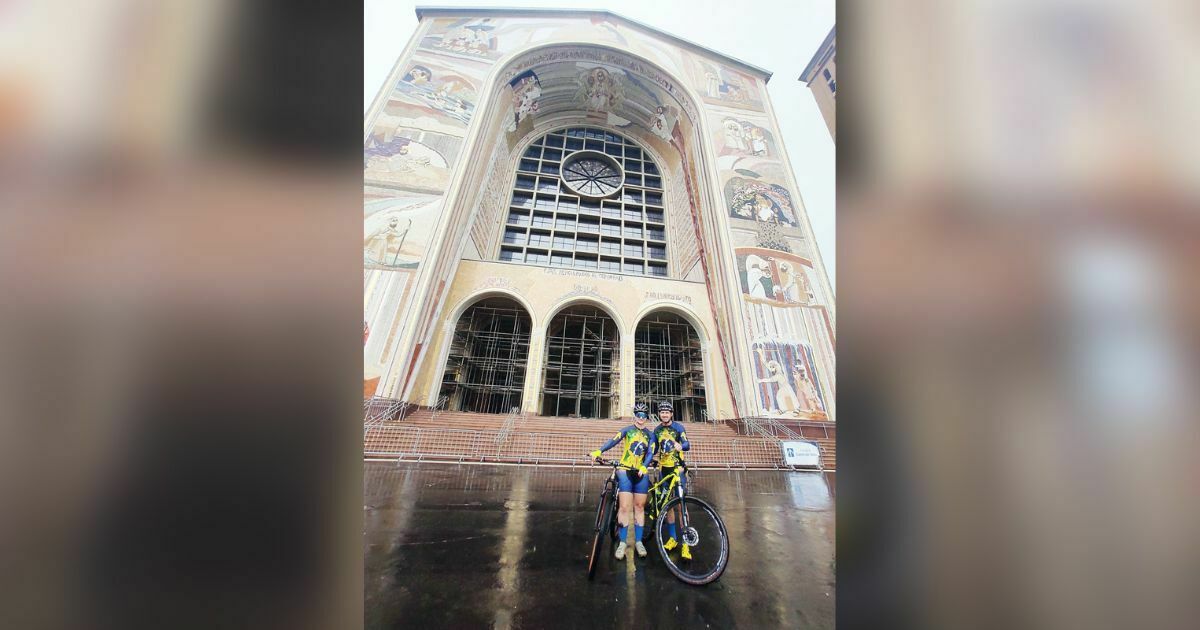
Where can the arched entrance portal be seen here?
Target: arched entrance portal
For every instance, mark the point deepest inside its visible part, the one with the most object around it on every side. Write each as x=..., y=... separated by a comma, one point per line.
x=668, y=364
x=581, y=377
x=485, y=370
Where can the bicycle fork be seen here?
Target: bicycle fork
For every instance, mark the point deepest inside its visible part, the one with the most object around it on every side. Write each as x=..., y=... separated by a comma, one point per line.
x=683, y=515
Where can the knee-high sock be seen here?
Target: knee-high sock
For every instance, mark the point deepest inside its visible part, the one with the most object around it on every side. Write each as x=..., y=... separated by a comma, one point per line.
x=621, y=531
x=671, y=530
x=637, y=532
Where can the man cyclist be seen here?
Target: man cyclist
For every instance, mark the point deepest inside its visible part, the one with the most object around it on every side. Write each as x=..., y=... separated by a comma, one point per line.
x=632, y=482
x=672, y=442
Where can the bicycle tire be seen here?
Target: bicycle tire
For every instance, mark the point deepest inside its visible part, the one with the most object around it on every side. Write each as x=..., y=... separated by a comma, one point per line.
x=692, y=503
x=613, y=524
x=602, y=515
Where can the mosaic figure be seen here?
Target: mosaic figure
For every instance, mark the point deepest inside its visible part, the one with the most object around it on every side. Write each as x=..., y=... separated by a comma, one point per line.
x=386, y=242
x=397, y=229
x=806, y=391
x=758, y=278
x=526, y=90
x=712, y=84
x=600, y=89
x=409, y=158
x=663, y=121
x=789, y=284
x=786, y=383
x=740, y=137
x=722, y=85
x=469, y=37
x=758, y=140
x=758, y=201
x=735, y=140
x=783, y=400
x=451, y=95
x=380, y=147
x=774, y=278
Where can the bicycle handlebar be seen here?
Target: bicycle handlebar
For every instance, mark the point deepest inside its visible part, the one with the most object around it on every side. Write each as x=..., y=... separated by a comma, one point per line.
x=653, y=463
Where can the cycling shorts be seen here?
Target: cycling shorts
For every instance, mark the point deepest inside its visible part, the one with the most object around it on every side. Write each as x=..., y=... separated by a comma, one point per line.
x=626, y=482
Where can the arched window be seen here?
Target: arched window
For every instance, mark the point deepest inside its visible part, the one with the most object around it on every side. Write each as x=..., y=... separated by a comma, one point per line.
x=589, y=199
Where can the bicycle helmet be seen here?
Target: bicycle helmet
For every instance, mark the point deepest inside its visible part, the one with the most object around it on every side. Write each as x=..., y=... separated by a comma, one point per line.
x=666, y=406
x=641, y=409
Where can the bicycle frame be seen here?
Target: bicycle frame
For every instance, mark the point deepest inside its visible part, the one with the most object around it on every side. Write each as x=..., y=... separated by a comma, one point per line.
x=610, y=484
x=661, y=495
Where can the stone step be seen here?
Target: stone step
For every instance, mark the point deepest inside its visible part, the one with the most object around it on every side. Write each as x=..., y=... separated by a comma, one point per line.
x=462, y=436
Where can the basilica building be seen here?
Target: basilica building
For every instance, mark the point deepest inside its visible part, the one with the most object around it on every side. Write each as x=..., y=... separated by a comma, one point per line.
x=567, y=212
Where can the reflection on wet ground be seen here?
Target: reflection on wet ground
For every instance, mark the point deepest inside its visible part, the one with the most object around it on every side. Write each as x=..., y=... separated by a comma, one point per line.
x=470, y=546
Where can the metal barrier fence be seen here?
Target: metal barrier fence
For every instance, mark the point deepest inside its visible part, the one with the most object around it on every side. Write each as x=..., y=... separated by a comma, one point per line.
x=377, y=410
x=447, y=444
x=510, y=421
x=440, y=405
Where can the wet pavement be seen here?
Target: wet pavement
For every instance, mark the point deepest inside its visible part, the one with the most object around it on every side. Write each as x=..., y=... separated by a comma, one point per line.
x=472, y=546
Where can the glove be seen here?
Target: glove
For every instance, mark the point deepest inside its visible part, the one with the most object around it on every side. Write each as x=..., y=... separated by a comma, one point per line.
x=594, y=454
x=641, y=470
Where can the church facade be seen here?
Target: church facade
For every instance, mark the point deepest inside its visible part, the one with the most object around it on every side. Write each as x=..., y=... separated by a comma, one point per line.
x=566, y=212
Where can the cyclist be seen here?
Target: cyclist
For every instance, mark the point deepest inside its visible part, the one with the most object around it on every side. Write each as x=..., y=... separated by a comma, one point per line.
x=671, y=440
x=632, y=481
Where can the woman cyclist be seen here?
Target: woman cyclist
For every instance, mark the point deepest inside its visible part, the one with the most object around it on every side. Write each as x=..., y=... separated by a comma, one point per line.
x=671, y=441
x=632, y=482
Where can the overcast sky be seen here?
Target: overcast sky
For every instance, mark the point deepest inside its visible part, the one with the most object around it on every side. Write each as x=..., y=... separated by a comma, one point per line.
x=777, y=35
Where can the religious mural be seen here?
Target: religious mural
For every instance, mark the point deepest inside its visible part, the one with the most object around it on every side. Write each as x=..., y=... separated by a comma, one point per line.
x=409, y=158
x=525, y=90
x=491, y=38
x=663, y=121
x=601, y=91
x=724, y=86
x=472, y=37
x=786, y=381
x=755, y=200
x=433, y=87
x=396, y=229
x=775, y=278
x=742, y=137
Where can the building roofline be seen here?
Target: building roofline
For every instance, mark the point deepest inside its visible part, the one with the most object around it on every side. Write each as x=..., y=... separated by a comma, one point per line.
x=818, y=57
x=423, y=11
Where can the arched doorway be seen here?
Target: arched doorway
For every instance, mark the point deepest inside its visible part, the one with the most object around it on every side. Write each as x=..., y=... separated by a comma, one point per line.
x=669, y=365
x=485, y=369
x=581, y=377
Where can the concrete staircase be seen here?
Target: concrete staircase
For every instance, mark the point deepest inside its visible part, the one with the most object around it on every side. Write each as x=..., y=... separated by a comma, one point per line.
x=460, y=436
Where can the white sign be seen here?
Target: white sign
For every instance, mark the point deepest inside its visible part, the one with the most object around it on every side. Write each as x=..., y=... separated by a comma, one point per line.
x=801, y=454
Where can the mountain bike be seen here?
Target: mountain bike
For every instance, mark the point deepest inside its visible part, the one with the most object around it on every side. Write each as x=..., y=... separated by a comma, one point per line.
x=606, y=518
x=699, y=527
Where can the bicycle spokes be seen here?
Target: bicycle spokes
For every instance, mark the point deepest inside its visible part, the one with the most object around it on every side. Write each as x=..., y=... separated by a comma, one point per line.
x=700, y=528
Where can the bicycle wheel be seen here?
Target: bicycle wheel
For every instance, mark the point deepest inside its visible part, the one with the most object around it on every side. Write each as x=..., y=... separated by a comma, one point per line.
x=705, y=536
x=604, y=513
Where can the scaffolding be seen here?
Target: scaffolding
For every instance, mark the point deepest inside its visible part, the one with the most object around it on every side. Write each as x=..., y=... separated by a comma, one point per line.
x=668, y=365
x=581, y=378
x=485, y=369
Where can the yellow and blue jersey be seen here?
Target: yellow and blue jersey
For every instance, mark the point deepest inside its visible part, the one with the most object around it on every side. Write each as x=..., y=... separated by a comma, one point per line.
x=670, y=443
x=637, y=446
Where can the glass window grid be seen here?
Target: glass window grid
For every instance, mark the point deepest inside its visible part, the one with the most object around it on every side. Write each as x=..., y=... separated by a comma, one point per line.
x=550, y=225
